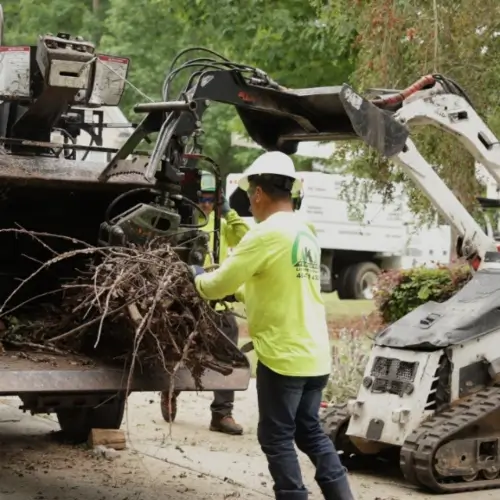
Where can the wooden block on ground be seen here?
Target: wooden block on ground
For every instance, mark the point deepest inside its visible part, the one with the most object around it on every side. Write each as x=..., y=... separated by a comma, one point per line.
x=111, y=438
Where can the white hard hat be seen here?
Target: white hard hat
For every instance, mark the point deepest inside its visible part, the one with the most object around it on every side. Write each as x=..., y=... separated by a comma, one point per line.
x=275, y=163
x=208, y=182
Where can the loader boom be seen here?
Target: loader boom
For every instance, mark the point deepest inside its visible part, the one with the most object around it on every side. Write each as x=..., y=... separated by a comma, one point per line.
x=449, y=112
x=278, y=118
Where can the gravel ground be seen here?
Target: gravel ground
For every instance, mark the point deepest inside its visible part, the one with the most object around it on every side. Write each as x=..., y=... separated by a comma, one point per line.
x=184, y=461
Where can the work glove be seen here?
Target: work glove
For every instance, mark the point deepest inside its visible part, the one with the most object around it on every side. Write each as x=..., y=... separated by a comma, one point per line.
x=196, y=271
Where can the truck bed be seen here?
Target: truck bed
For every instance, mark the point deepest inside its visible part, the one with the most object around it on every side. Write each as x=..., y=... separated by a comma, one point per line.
x=33, y=372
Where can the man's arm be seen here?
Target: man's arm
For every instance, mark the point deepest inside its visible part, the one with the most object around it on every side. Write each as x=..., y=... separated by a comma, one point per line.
x=234, y=229
x=247, y=259
x=240, y=294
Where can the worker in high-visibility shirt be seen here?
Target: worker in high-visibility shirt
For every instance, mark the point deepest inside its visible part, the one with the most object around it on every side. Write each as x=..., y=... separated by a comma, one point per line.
x=275, y=271
x=232, y=229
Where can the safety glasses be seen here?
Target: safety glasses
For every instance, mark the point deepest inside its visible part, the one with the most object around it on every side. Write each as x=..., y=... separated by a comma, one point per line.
x=206, y=198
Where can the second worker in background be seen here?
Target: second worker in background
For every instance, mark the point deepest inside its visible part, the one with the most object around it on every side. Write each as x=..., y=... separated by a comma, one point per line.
x=232, y=230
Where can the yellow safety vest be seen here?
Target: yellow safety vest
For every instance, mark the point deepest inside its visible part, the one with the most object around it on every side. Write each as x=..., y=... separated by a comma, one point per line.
x=232, y=230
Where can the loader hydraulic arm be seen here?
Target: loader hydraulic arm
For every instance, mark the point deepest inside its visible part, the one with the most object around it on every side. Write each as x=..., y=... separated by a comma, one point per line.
x=388, y=132
x=278, y=118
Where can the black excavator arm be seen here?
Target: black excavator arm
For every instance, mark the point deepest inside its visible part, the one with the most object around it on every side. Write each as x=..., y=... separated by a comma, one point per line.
x=278, y=118
x=275, y=118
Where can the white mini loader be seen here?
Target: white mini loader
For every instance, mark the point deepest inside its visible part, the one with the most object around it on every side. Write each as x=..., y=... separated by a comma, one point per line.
x=430, y=389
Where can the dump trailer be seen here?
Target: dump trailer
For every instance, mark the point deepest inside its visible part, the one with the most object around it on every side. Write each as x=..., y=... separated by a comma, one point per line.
x=60, y=86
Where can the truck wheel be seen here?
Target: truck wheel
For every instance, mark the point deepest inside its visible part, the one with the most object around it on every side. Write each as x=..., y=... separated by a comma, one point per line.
x=360, y=279
x=342, y=289
x=326, y=279
x=76, y=423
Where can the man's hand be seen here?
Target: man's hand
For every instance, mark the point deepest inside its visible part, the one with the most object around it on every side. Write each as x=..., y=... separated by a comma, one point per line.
x=196, y=271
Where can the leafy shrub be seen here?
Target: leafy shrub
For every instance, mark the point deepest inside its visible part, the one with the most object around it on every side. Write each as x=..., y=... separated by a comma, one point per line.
x=399, y=292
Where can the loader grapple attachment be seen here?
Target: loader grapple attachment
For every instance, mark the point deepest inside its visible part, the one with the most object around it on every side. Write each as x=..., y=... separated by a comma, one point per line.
x=374, y=125
x=280, y=119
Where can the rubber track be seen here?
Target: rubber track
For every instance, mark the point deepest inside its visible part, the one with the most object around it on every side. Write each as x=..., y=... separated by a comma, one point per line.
x=333, y=419
x=332, y=422
x=417, y=453
x=128, y=172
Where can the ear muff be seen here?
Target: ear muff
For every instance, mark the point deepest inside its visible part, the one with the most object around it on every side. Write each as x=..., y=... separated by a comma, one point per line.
x=297, y=201
x=239, y=201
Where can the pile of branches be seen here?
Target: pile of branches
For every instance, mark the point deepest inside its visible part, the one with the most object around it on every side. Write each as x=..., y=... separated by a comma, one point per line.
x=134, y=304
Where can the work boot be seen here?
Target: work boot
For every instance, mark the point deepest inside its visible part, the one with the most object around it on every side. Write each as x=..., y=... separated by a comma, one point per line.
x=168, y=416
x=292, y=495
x=225, y=424
x=337, y=490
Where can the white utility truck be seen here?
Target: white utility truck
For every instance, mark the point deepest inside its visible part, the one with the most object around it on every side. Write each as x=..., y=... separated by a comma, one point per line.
x=354, y=250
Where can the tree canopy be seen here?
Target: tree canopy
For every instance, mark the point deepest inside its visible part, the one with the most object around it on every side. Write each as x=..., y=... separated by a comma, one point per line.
x=396, y=42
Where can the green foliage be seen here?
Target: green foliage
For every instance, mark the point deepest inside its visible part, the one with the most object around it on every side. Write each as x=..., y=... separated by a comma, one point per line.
x=285, y=39
x=401, y=291
x=25, y=20
x=396, y=42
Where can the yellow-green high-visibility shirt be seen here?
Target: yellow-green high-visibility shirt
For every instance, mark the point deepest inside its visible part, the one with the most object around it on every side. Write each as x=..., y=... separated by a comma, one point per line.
x=276, y=268
x=232, y=229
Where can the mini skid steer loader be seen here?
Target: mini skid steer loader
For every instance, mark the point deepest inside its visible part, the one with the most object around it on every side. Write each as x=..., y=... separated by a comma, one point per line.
x=430, y=388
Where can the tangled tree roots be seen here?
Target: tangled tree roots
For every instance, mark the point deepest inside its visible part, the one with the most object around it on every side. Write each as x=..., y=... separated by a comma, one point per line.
x=134, y=304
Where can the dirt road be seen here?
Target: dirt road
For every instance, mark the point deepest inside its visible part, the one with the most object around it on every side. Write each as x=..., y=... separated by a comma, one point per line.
x=192, y=463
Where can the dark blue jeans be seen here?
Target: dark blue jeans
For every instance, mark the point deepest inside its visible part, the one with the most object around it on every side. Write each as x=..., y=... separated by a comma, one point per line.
x=288, y=413
x=223, y=402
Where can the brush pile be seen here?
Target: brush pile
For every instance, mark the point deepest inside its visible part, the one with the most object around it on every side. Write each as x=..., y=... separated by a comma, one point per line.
x=137, y=305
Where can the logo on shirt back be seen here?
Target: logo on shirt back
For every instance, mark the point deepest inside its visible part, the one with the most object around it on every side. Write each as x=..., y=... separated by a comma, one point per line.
x=306, y=256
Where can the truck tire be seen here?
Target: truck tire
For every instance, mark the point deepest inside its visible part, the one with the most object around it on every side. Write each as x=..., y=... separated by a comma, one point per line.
x=76, y=423
x=342, y=289
x=326, y=279
x=359, y=280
